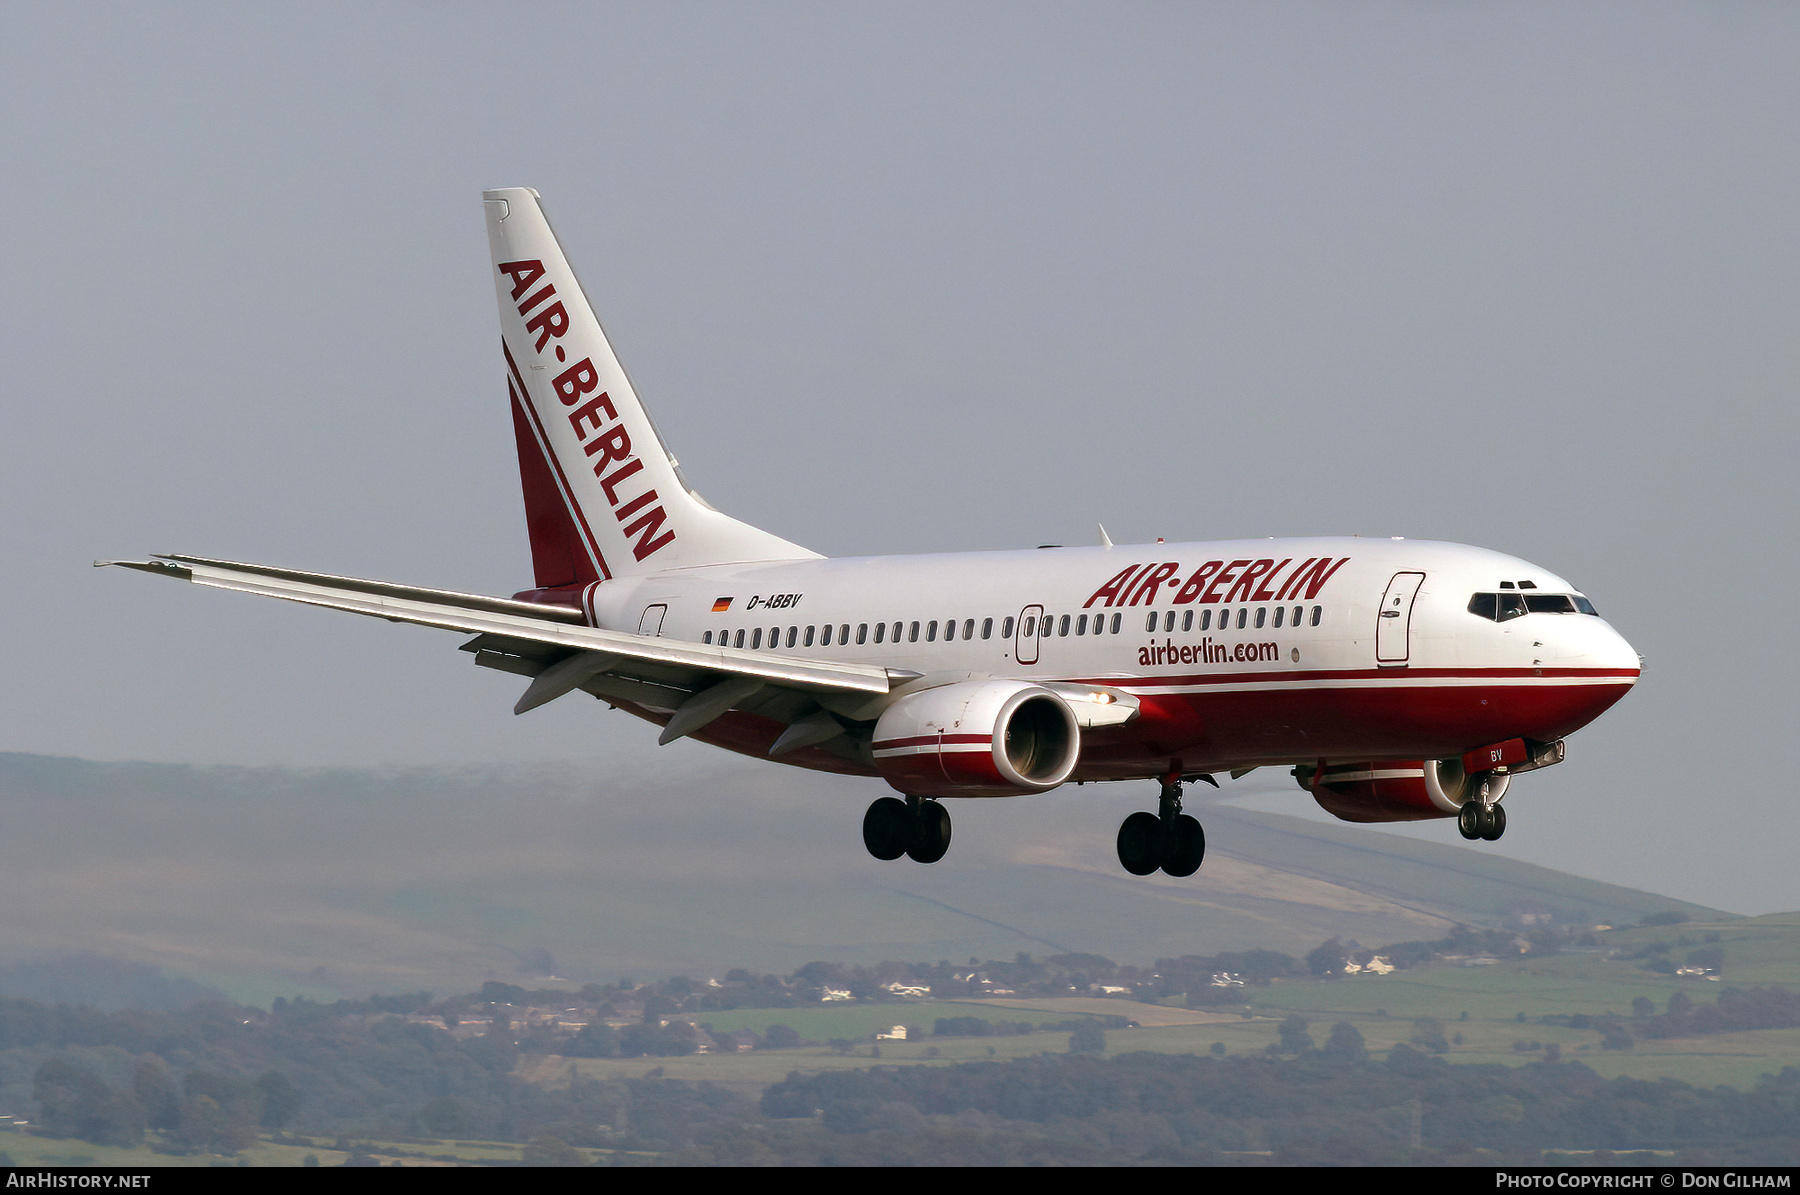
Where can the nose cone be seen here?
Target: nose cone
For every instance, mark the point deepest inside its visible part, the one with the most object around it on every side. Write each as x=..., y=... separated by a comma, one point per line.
x=1586, y=641
x=1586, y=653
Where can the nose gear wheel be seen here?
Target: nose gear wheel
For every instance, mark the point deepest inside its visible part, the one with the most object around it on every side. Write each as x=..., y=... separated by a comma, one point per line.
x=1476, y=820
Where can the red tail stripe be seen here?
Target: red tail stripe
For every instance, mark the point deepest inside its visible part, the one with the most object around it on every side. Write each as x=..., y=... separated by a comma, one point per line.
x=523, y=397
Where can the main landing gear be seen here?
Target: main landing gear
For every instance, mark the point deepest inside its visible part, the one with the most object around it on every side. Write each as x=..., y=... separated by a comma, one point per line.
x=1169, y=838
x=916, y=827
x=1479, y=816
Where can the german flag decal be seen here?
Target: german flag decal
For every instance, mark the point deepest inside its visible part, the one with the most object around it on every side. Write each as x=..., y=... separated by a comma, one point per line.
x=720, y=605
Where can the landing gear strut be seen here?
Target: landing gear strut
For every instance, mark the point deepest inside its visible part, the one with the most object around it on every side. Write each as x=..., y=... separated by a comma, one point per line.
x=1479, y=817
x=916, y=827
x=1168, y=839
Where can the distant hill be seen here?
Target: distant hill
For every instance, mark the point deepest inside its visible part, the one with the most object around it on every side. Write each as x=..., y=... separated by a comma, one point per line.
x=108, y=984
x=262, y=882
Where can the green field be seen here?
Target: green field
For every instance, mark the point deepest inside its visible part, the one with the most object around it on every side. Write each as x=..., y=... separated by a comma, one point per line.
x=1486, y=1009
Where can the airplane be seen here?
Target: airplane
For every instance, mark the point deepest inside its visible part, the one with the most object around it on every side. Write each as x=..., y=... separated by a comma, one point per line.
x=1397, y=679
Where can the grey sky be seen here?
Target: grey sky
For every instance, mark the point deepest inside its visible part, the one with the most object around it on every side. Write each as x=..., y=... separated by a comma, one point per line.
x=902, y=278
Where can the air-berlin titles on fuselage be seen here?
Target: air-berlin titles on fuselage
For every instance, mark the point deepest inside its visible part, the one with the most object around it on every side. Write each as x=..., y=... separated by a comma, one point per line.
x=595, y=421
x=1248, y=581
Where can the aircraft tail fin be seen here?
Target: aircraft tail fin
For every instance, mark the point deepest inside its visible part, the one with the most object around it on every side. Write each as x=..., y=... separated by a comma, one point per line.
x=603, y=496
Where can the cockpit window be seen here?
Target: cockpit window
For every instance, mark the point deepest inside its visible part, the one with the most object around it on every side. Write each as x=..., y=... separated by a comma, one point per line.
x=1511, y=604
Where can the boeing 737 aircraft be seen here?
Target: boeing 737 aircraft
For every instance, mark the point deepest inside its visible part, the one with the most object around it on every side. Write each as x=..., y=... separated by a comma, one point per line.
x=1398, y=679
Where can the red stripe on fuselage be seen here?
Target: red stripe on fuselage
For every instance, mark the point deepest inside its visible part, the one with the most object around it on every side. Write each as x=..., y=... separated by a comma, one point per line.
x=934, y=740
x=1385, y=676
x=1211, y=730
x=1356, y=714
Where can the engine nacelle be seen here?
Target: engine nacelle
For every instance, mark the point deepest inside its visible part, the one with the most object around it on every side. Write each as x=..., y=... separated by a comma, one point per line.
x=1394, y=790
x=977, y=738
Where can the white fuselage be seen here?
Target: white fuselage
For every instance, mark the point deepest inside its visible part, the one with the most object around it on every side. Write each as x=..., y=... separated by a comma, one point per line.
x=1266, y=656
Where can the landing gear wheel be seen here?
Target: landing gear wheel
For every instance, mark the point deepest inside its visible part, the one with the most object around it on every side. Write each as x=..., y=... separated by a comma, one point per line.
x=1469, y=820
x=930, y=833
x=886, y=828
x=1184, y=847
x=1496, y=823
x=1139, y=843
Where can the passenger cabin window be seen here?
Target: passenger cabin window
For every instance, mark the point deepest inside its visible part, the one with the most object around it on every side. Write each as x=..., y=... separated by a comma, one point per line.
x=1115, y=623
x=1318, y=612
x=987, y=628
x=1262, y=616
x=1150, y=622
x=1062, y=627
x=931, y=631
x=1006, y=628
x=913, y=636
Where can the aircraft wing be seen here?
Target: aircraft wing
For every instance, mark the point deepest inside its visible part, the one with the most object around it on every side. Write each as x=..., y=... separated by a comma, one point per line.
x=696, y=681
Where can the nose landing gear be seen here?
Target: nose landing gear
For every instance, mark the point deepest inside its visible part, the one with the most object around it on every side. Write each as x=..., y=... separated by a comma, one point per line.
x=1479, y=816
x=915, y=827
x=1169, y=839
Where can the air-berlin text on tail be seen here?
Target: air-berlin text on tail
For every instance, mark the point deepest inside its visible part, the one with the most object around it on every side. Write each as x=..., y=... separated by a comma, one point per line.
x=1218, y=581
x=595, y=421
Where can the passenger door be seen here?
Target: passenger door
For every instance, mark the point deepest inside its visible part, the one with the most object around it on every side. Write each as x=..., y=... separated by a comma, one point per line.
x=1393, y=626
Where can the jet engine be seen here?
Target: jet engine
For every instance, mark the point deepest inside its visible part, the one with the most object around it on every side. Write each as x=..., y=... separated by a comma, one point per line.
x=1405, y=790
x=977, y=738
